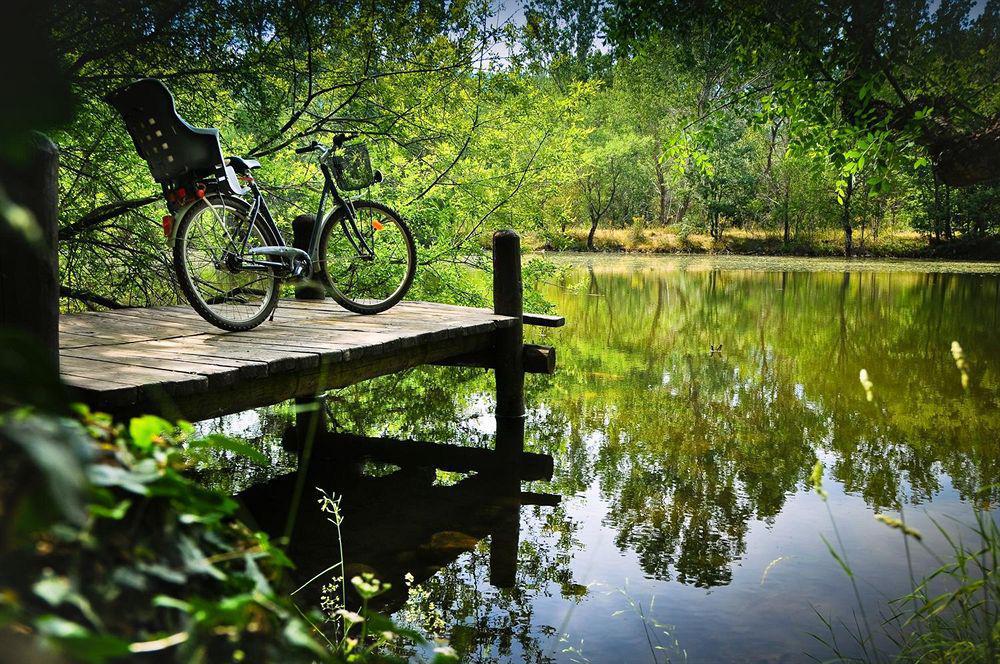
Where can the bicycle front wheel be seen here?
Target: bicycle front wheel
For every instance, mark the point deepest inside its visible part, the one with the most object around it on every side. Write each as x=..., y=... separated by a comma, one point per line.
x=207, y=259
x=367, y=266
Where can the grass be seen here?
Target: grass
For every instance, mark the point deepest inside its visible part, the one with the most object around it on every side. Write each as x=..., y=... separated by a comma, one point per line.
x=950, y=615
x=899, y=244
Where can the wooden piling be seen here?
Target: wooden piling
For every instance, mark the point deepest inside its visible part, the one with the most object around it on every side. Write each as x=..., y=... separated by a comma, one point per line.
x=29, y=260
x=508, y=301
x=302, y=230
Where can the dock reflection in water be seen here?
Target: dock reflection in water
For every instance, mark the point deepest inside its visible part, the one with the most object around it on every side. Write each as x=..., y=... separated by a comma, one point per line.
x=402, y=522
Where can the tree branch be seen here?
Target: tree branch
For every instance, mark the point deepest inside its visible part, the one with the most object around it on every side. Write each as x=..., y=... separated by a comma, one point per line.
x=89, y=298
x=104, y=213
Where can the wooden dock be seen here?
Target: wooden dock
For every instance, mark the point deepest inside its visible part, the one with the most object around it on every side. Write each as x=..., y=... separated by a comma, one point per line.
x=168, y=360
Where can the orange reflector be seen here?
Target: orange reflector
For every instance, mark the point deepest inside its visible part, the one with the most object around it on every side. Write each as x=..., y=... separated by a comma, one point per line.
x=377, y=225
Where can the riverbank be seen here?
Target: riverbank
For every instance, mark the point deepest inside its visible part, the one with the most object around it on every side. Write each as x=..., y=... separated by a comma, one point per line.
x=759, y=243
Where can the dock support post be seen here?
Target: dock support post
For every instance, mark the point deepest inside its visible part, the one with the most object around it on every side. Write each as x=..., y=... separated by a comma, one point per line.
x=302, y=230
x=309, y=419
x=508, y=301
x=29, y=258
x=308, y=410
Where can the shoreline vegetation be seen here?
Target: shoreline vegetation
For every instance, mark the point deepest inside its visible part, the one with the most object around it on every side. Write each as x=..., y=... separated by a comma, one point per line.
x=668, y=240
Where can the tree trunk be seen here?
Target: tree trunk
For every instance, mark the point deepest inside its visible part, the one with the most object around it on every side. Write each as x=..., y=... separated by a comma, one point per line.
x=947, y=212
x=590, y=235
x=788, y=189
x=937, y=207
x=682, y=210
x=661, y=189
x=29, y=261
x=846, y=220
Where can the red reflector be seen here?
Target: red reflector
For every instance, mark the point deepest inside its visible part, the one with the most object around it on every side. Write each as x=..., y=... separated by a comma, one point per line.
x=200, y=193
x=182, y=193
x=168, y=225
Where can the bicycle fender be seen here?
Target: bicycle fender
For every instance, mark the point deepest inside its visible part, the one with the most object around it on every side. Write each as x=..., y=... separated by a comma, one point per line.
x=178, y=217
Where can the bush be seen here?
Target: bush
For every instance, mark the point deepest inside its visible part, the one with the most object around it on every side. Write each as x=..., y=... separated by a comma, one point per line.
x=110, y=550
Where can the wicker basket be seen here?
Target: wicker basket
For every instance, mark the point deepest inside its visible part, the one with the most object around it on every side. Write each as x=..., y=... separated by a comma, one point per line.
x=352, y=167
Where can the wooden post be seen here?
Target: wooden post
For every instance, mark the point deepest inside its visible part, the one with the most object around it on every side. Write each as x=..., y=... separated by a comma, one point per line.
x=508, y=301
x=29, y=258
x=302, y=230
x=504, y=542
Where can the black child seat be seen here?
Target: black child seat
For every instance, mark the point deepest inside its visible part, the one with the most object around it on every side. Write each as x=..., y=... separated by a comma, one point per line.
x=177, y=153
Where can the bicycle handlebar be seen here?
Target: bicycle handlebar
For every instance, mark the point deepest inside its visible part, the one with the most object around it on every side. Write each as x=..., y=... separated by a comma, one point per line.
x=338, y=141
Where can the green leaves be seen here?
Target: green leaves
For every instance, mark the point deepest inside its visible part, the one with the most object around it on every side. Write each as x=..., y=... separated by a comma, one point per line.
x=78, y=642
x=237, y=447
x=147, y=430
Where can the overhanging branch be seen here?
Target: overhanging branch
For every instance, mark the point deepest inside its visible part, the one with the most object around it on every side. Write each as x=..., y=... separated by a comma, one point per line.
x=104, y=213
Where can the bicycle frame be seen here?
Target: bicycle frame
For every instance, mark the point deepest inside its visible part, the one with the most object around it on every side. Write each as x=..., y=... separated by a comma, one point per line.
x=259, y=207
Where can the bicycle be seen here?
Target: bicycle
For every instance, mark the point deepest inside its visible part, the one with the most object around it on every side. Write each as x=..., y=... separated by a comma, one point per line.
x=229, y=255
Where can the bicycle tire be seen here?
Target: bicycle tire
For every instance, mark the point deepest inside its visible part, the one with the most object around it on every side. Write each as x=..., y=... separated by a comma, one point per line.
x=337, y=291
x=186, y=281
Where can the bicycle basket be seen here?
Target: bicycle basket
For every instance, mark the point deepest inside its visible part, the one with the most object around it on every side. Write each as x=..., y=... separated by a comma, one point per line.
x=352, y=167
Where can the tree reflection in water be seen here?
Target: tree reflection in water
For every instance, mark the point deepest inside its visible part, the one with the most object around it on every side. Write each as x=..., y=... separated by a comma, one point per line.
x=688, y=449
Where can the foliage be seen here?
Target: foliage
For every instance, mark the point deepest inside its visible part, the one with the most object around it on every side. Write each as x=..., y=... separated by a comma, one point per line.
x=118, y=552
x=691, y=116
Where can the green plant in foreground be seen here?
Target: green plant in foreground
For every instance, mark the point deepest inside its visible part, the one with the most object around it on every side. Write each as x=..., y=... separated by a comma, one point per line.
x=950, y=615
x=109, y=550
x=660, y=650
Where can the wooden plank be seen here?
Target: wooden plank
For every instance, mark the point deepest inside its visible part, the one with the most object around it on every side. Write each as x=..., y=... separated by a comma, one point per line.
x=84, y=327
x=157, y=319
x=83, y=387
x=538, y=320
x=308, y=383
x=399, y=328
x=276, y=360
x=123, y=329
x=426, y=310
x=219, y=371
x=537, y=359
x=453, y=458
x=170, y=382
x=544, y=320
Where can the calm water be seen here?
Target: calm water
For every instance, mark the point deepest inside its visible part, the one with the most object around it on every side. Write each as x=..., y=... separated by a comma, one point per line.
x=686, y=518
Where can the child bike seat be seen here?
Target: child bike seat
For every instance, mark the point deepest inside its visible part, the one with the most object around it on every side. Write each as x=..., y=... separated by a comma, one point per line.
x=174, y=150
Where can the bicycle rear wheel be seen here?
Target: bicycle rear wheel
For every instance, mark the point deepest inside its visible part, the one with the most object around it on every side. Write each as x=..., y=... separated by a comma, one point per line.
x=206, y=259
x=369, y=278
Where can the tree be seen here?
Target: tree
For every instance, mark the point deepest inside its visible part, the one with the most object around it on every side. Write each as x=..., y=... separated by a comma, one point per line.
x=600, y=188
x=914, y=69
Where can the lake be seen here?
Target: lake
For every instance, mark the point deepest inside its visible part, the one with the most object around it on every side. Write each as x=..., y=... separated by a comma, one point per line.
x=692, y=401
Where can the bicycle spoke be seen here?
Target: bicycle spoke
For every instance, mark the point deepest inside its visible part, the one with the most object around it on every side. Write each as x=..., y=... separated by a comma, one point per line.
x=368, y=262
x=234, y=295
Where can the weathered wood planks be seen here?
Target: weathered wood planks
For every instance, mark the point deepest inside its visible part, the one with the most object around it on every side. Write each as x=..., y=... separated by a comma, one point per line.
x=168, y=360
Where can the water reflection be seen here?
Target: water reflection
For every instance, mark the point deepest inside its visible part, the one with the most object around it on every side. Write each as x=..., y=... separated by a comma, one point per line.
x=685, y=470
x=406, y=526
x=695, y=443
